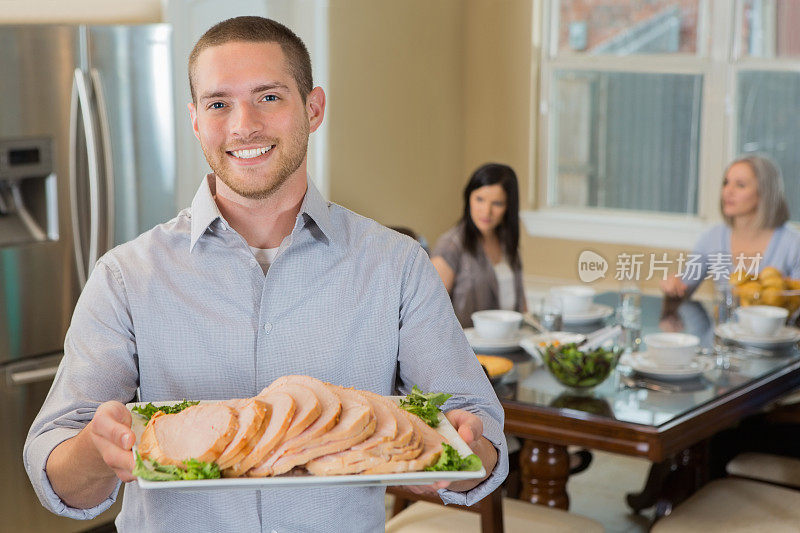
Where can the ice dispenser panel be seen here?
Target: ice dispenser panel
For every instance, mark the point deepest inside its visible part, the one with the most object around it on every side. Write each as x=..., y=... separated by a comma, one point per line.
x=28, y=202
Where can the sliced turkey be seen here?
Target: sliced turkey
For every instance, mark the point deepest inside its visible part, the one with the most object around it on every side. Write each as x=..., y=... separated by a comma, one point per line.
x=199, y=432
x=282, y=406
x=251, y=414
x=331, y=408
x=356, y=423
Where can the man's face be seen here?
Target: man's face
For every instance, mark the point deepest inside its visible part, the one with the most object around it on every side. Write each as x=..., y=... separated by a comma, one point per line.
x=250, y=118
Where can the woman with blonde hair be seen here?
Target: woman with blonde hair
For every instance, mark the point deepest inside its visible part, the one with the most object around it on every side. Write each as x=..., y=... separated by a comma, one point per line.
x=755, y=234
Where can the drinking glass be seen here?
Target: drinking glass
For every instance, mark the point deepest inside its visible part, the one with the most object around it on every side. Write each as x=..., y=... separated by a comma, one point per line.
x=725, y=303
x=629, y=316
x=549, y=313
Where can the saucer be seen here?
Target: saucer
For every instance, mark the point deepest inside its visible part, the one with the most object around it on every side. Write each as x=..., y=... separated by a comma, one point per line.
x=784, y=337
x=595, y=313
x=647, y=367
x=481, y=344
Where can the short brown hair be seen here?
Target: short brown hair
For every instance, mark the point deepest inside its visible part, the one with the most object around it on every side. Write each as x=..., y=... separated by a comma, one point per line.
x=772, y=210
x=258, y=30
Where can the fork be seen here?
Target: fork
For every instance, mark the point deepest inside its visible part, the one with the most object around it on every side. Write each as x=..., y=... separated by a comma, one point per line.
x=644, y=384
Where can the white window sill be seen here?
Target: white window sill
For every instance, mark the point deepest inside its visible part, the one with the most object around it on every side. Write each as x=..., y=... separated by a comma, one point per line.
x=638, y=229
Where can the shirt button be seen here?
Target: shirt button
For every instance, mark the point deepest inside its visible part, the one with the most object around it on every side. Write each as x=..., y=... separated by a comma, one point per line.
x=268, y=327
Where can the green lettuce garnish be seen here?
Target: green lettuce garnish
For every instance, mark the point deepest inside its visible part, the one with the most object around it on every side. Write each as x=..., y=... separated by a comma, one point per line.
x=450, y=459
x=149, y=410
x=194, y=469
x=425, y=406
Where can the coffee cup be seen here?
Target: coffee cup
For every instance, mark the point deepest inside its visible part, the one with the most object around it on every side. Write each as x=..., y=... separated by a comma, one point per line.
x=671, y=349
x=497, y=324
x=575, y=299
x=762, y=320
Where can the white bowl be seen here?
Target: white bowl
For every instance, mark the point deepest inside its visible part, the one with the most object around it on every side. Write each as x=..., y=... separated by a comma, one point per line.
x=764, y=320
x=496, y=324
x=671, y=349
x=575, y=299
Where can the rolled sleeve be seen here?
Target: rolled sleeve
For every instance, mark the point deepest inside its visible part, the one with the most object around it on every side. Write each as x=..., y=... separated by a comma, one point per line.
x=435, y=355
x=99, y=365
x=35, y=458
x=493, y=431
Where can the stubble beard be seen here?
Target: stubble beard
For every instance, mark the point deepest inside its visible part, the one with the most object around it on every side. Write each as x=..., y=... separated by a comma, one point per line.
x=253, y=185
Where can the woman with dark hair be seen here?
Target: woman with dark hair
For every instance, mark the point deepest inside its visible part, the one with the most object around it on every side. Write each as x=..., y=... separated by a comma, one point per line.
x=478, y=259
x=755, y=212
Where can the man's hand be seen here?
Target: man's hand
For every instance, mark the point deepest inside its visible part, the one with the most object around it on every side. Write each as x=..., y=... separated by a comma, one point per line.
x=113, y=438
x=470, y=428
x=83, y=470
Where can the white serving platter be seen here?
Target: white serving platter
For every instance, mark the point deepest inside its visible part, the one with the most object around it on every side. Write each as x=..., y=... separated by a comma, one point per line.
x=297, y=481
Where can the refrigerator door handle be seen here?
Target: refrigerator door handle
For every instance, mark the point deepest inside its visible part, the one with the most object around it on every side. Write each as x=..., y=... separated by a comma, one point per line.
x=33, y=376
x=81, y=90
x=105, y=134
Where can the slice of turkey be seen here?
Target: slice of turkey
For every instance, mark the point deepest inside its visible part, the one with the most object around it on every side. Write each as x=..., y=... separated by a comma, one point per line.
x=200, y=432
x=431, y=450
x=307, y=406
x=356, y=423
x=331, y=408
x=394, y=436
x=251, y=414
x=283, y=408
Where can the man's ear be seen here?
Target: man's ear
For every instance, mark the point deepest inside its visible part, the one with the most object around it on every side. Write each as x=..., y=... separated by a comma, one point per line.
x=315, y=108
x=193, y=118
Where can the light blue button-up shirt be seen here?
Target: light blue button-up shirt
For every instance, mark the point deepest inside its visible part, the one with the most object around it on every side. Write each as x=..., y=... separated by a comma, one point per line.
x=185, y=311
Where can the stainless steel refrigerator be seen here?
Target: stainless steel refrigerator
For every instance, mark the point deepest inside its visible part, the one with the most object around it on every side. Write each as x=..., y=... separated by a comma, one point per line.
x=87, y=161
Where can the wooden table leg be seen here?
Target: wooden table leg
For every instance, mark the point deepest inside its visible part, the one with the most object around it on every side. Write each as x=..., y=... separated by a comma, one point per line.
x=672, y=481
x=545, y=469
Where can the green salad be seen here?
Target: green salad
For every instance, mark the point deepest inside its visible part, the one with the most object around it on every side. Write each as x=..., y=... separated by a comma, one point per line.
x=576, y=368
x=192, y=469
x=452, y=460
x=425, y=406
x=149, y=410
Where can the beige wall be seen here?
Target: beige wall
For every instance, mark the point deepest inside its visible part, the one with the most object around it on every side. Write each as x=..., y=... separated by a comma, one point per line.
x=75, y=11
x=395, y=111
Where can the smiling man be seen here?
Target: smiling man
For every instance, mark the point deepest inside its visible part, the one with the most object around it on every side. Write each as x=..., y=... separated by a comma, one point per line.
x=260, y=278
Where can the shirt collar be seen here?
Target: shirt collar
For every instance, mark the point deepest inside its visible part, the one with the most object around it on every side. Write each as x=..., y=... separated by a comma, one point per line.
x=205, y=210
x=318, y=209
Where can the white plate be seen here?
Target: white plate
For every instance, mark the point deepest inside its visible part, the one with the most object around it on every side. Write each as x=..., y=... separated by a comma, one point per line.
x=296, y=481
x=531, y=343
x=595, y=313
x=649, y=368
x=481, y=344
x=786, y=336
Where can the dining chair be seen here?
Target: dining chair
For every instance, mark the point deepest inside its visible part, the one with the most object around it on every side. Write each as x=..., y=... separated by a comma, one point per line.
x=493, y=514
x=733, y=505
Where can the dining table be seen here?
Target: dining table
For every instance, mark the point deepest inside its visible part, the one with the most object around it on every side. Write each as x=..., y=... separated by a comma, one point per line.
x=669, y=423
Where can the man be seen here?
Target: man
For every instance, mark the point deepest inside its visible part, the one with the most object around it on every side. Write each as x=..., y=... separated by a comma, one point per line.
x=260, y=278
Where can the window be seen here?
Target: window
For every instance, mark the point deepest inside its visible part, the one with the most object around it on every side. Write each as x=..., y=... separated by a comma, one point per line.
x=642, y=104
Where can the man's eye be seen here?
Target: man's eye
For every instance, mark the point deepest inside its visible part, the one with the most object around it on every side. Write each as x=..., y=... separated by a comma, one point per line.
x=216, y=105
x=270, y=98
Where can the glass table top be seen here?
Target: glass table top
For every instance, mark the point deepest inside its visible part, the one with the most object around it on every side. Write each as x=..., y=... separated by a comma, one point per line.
x=729, y=369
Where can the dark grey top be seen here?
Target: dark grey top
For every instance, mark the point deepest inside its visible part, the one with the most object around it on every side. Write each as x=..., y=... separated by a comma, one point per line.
x=475, y=284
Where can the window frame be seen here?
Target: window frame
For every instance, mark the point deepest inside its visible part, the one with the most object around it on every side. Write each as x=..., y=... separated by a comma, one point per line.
x=716, y=59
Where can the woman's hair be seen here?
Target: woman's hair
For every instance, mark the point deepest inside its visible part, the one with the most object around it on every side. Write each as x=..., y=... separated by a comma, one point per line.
x=772, y=210
x=508, y=229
